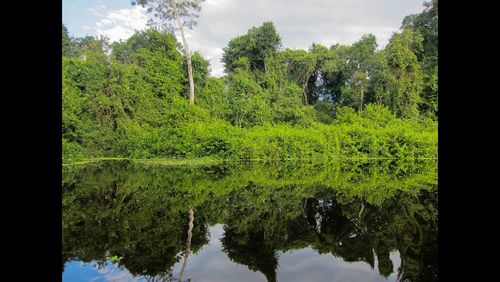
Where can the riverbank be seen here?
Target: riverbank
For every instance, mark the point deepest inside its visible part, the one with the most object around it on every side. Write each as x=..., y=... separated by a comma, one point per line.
x=372, y=134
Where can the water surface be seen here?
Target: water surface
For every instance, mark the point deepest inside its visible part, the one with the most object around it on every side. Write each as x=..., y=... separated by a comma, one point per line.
x=289, y=221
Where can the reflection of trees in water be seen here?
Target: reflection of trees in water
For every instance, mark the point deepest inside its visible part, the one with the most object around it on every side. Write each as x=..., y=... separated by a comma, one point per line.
x=140, y=217
x=252, y=250
x=355, y=231
x=145, y=229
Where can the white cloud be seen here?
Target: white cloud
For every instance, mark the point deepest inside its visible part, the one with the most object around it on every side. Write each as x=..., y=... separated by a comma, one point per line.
x=121, y=24
x=94, y=12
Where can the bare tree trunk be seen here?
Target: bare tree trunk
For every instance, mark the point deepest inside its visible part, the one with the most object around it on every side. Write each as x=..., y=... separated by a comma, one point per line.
x=305, y=80
x=186, y=51
x=361, y=103
x=188, y=243
x=304, y=95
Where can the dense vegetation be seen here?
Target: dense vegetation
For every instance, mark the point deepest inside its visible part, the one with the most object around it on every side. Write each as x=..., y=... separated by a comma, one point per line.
x=136, y=215
x=129, y=98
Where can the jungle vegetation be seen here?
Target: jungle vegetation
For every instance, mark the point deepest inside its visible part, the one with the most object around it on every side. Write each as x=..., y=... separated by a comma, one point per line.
x=131, y=98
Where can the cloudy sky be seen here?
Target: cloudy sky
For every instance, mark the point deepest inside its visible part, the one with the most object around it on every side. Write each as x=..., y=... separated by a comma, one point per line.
x=299, y=22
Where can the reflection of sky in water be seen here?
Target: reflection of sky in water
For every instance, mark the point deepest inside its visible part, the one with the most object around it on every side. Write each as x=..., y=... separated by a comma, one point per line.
x=78, y=271
x=307, y=265
x=212, y=264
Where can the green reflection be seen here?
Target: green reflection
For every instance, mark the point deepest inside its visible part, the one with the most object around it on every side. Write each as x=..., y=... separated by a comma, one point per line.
x=138, y=215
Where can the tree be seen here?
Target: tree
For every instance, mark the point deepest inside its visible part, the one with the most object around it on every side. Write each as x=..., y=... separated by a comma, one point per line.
x=133, y=101
x=359, y=54
x=426, y=23
x=343, y=73
x=201, y=71
x=403, y=78
x=68, y=45
x=300, y=65
x=326, y=80
x=355, y=64
x=182, y=12
x=81, y=47
x=258, y=44
x=359, y=83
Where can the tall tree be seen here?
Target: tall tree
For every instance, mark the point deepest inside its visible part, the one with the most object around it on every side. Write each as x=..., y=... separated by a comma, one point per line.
x=403, y=78
x=355, y=64
x=343, y=73
x=300, y=66
x=360, y=83
x=256, y=45
x=182, y=12
x=326, y=80
x=426, y=23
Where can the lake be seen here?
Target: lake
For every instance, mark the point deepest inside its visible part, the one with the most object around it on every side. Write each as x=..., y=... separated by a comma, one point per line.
x=251, y=221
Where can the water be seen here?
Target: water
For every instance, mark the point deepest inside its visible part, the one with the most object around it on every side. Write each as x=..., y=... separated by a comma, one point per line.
x=288, y=221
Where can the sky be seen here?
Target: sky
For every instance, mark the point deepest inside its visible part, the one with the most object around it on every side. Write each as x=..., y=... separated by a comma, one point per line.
x=299, y=22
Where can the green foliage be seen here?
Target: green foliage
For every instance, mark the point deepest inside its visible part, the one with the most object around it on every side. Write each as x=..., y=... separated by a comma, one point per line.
x=201, y=70
x=68, y=44
x=247, y=100
x=215, y=98
x=258, y=44
x=373, y=133
x=402, y=79
x=129, y=99
x=429, y=104
x=150, y=40
x=325, y=112
x=300, y=65
x=343, y=73
x=426, y=25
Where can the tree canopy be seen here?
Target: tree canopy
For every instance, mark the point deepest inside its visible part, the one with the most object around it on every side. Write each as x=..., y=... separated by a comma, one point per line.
x=254, y=47
x=128, y=98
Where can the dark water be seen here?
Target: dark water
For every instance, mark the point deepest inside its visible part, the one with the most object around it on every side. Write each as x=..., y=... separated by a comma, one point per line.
x=346, y=221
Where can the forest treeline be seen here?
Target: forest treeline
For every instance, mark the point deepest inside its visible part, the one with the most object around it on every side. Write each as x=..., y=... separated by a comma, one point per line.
x=130, y=98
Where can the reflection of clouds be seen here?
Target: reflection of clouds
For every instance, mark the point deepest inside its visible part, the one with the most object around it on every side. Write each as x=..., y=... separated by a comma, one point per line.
x=216, y=232
x=396, y=263
x=111, y=272
x=307, y=265
x=212, y=264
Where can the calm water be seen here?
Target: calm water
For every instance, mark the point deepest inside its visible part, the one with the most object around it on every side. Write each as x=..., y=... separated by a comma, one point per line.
x=346, y=221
